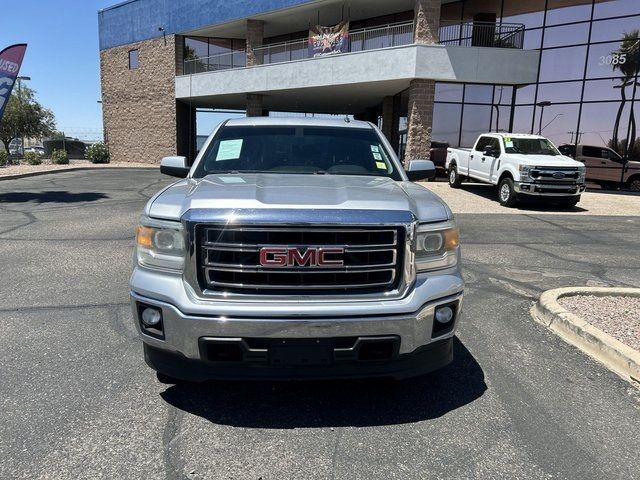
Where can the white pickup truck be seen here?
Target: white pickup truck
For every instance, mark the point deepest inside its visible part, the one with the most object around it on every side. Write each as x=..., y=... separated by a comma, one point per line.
x=519, y=165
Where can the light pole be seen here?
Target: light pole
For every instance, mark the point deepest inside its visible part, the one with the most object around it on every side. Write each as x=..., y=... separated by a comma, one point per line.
x=542, y=105
x=20, y=80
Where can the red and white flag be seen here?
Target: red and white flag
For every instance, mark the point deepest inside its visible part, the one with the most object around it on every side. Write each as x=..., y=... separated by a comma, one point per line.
x=10, y=62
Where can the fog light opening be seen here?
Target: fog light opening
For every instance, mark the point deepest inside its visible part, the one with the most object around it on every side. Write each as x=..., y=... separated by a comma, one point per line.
x=443, y=320
x=444, y=315
x=151, y=317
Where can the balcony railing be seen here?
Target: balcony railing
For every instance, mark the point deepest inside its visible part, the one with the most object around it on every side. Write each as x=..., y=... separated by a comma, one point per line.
x=393, y=35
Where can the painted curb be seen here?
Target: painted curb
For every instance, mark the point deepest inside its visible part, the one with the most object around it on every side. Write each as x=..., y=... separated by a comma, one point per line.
x=72, y=169
x=615, y=355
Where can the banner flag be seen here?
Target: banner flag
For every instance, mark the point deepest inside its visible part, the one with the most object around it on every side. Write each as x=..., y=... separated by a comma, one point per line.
x=325, y=41
x=10, y=62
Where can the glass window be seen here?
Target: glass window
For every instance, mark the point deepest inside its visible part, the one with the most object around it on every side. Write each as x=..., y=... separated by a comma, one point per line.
x=478, y=94
x=475, y=121
x=557, y=123
x=446, y=123
x=532, y=39
x=530, y=146
x=601, y=122
x=560, y=92
x=562, y=64
x=599, y=90
x=134, y=59
x=607, y=30
x=448, y=92
x=566, y=11
x=501, y=118
x=297, y=150
x=502, y=95
x=615, y=8
x=522, y=119
x=528, y=12
x=566, y=35
x=481, y=10
x=526, y=95
x=451, y=13
x=610, y=59
x=196, y=51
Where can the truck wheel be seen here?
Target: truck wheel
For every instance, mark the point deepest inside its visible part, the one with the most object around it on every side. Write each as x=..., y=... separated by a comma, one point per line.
x=507, y=193
x=454, y=179
x=634, y=184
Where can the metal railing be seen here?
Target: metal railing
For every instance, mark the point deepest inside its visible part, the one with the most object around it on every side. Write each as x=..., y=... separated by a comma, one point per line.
x=479, y=34
x=483, y=34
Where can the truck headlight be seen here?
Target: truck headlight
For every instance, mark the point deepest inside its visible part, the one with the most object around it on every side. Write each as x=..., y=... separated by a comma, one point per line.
x=160, y=244
x=525, y=173
x=437, y=247
x=582, y=176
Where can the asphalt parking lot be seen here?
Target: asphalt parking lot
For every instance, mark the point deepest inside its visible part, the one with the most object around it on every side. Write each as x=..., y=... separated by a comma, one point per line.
x=77, y=400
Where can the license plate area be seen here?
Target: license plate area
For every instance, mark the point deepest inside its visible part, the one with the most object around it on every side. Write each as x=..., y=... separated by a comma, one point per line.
x=300, y=355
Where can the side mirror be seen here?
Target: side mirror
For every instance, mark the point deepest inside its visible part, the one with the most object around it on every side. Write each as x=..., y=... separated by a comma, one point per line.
x=174, y=166
x=421, y=170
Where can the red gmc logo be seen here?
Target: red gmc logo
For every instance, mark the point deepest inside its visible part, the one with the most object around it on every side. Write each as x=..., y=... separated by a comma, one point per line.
x=291, y=257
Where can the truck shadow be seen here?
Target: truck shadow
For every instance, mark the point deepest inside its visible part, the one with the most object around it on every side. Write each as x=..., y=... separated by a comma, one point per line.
x=526, y=204
x=334, y=403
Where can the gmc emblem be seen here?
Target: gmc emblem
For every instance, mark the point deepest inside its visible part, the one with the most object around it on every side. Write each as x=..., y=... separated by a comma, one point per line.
x=290, y=257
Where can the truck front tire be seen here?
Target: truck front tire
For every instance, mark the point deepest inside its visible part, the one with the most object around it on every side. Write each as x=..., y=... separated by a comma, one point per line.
x=454, y=178
x=507, y=193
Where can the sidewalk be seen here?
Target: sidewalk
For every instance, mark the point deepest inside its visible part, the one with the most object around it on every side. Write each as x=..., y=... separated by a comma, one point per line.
x=25, y=170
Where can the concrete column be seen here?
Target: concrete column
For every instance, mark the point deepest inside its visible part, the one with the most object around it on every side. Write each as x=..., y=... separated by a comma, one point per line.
x=255, y=106
x=427, y=21
x=420, y=121
x=255, y=39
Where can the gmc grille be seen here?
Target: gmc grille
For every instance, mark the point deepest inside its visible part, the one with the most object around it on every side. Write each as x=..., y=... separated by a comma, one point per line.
x=229, y=260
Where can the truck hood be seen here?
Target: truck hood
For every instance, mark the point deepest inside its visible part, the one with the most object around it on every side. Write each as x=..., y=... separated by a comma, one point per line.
x=545, y=160
x=299, y=192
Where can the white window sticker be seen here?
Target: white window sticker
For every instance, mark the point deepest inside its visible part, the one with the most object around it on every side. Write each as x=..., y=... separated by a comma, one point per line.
x=377, y=156
x=508, y=144
x=381, y=165
x=375, y=148
x=229, y=150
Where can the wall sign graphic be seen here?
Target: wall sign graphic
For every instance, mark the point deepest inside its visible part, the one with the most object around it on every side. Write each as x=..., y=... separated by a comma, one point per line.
x=325, y=41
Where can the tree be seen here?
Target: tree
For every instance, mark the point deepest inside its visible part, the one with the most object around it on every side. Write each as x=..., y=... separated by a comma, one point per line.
x=629, y=68
x=25, y=117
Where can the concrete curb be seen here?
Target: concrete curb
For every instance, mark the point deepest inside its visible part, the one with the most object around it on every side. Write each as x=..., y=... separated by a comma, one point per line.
x=615, y=355
x=72, y=169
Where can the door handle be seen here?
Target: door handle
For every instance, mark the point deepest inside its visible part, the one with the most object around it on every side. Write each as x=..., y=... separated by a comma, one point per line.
x=470, y=156
x=483, y=159
x=603, y=163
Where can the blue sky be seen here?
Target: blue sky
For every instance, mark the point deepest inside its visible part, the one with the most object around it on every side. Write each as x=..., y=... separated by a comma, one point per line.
x=62, y=57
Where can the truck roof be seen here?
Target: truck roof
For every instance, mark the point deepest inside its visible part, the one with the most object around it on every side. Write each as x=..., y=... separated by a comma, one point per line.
x=516, y=135
x=338, y=122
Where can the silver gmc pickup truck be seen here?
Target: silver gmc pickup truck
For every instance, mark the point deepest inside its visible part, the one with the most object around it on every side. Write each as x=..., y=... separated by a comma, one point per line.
x=296, y=249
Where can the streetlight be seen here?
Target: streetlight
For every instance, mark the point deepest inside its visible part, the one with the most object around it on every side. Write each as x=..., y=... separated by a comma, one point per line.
x=20, y=80
x=542, y=105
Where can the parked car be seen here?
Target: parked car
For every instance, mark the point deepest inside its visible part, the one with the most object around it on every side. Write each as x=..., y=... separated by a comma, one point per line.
x=519, y=165
x=605, y=166
x=296, y=248
x=36, y=150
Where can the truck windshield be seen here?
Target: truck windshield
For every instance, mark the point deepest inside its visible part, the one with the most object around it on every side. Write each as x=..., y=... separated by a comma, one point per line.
x=297, y=150
x=529, y=146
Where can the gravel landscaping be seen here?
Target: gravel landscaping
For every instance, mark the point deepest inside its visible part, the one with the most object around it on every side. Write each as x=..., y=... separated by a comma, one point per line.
x=47, y=166
x=617, y=316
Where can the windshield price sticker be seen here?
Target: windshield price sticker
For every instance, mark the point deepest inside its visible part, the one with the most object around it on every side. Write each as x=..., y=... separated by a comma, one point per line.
x=377, y=156
x=508, y=142
x=375, y=148
x=229, y=150
x=381, y=165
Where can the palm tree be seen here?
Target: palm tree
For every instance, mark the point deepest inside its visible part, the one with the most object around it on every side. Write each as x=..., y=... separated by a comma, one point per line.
x=629, y=51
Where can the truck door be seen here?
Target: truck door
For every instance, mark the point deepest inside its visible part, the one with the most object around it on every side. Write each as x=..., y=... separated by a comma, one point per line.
x=477, y=158
x=603, y=165
x=484, y=163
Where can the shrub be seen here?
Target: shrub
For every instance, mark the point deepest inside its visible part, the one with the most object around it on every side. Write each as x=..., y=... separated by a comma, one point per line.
x=32, y=158
x=4, y=158
x=59, y=157
x=98, y=153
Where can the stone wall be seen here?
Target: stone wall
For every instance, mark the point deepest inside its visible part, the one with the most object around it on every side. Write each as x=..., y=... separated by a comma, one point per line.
x=139, y=106
x=420, y=120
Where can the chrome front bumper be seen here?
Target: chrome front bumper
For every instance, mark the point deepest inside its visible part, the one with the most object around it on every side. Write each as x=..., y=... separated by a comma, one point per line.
x=548, y=190
x=187, y=319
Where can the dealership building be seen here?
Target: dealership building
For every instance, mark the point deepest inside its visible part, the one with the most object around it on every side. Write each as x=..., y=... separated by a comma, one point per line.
x=423, y=70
